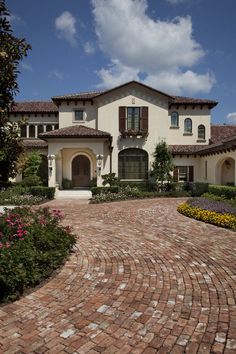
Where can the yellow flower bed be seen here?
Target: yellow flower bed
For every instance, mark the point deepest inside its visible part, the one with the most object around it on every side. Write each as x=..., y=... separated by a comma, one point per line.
x=211, y=217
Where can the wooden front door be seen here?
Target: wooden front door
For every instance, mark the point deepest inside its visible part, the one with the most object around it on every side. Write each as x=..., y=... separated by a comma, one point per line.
x=81, y=171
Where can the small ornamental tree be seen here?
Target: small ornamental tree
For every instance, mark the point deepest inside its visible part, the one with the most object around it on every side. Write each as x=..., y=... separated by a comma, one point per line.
x=162, y=165
x=12, y=50
x=31, y=170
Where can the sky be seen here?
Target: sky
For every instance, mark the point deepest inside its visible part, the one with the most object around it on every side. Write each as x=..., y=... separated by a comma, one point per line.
x=181, y=47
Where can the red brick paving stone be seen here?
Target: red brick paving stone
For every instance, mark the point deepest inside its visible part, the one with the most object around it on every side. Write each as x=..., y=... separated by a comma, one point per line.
x=142, y=279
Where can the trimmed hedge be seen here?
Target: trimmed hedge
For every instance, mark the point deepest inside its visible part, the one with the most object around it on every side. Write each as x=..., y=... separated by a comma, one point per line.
x=45, y=192
x=211, y=217
x=105, y=190
x=196, y=188
x=227, y=191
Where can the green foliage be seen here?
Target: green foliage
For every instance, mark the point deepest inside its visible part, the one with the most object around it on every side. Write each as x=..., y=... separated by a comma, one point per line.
x=18, y=195
x=66, y=183
x=30, y=173
x=110, y=179
x=214, y=197
x=32, y=245
x=43, y=192
x=227, y=191
x=162, y=165
x=196, y=188
x=105, y=190
x=133, y=193
x=12, y=50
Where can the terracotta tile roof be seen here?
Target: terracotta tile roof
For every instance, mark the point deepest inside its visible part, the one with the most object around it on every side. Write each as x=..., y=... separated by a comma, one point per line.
x=34, y=107
x=34, y=143
x=222, y=132
x=222, y=137
x=193, y=101
x=76, y=131
x=78, y=96
x=185, y=149
x=173, y=99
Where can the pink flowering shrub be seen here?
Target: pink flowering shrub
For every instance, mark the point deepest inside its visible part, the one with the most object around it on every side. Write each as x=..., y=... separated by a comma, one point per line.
x=32, y=245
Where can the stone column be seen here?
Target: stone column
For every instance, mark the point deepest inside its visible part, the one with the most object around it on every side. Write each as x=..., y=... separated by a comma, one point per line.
x=27, y=131
x=59, y=169
x=36, y=131
x=51, y=170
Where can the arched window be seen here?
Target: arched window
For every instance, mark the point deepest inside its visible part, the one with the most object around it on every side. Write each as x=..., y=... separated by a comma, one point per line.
x=40, y=129
x=174, y=119
x=133, y=164
x=188, y=125
x=32, y=131
x=56, y=126
x=23, y=132
x=201, y=132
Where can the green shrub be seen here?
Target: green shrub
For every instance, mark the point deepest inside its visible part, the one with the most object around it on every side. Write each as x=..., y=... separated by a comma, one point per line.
x=227, y=191
x=44, y=192
x=66, y=183
x=105, y=190
x=134, y=193
x=142, y=186
x=18, y=195
x=33, y=180
x=199, y=188
x=32, y=245
x=110, y=179
x=214, y=197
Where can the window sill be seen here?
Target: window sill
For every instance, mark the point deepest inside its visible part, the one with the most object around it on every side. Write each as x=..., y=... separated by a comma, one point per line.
x=79, y=121
x=174, y=127
x=187, y=134
x=201, y=140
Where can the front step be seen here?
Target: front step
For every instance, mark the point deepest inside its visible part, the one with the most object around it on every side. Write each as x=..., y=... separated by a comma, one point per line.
x=73, y=194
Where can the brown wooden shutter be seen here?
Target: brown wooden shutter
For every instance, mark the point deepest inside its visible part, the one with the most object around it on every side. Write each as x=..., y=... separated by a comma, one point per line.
x=122, y=117
x=144, y=119
x=190, y=173
x=176, y=174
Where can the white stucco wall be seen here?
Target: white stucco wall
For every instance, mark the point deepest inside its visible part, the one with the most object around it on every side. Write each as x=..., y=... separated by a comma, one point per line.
x=159, y=120
x=67, y=114
x=214, y=166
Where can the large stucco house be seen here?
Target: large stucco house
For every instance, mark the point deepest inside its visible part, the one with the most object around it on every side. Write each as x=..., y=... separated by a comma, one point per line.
x=86, y=135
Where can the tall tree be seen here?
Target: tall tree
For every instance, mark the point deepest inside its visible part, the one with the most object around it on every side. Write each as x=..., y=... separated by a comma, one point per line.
x=163, y=164
x=12, y=51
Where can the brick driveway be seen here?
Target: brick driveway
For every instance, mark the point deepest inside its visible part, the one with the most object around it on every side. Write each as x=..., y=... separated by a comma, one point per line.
x=143, y=279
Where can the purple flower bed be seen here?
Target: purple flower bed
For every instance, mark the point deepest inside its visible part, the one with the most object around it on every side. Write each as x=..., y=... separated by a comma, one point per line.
x=212, y=205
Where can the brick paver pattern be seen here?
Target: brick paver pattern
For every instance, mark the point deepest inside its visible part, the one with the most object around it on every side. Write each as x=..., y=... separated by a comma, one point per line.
x=142, y=279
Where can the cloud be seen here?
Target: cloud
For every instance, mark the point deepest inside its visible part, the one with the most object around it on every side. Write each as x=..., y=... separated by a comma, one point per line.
x=55, y=74
x=89, y=48
x=26, y=66
x=231, y=117
x=65, y=27
x=15, y=18
x=137, y=45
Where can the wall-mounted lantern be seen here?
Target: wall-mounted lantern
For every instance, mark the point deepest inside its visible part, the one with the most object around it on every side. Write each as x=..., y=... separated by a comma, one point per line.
x=99, y=162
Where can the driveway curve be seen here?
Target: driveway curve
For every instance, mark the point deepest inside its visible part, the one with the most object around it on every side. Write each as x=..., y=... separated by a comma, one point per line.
x=142, y=279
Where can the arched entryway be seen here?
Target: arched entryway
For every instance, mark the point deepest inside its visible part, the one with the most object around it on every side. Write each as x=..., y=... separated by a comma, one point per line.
x=81, y=168
x=228, y=171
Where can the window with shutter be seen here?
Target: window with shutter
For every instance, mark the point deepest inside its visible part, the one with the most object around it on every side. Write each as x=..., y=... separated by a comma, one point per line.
x=144, y=119
x=122, y=118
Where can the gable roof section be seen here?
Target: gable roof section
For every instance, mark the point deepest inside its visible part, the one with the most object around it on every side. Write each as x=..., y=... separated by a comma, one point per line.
x=34, y=107
x=83, y=96
x=76, y=131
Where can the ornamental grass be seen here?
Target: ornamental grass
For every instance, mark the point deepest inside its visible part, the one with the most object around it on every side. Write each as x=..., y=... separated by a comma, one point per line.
x=225, y=220
x=32, y=245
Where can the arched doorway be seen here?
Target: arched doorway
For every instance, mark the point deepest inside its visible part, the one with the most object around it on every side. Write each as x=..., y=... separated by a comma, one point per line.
x=81, y=171
x=228, y=171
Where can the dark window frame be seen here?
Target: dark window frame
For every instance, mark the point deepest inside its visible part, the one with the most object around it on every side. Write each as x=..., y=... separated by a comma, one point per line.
x=133, y=164
x=187, y=129
x=133, y=126
x=176, y=117
x=81, y=111
x=201, y=134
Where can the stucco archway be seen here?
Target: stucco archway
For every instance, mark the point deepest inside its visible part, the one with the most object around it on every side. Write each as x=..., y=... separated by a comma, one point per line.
x=225, y=171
